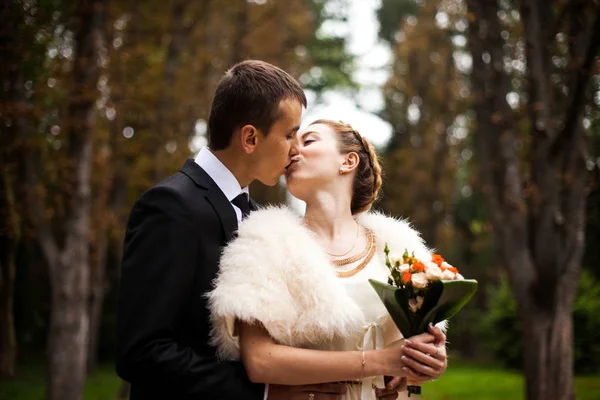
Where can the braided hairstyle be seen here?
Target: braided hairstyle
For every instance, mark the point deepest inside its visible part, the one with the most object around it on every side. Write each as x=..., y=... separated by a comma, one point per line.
x=368, y=179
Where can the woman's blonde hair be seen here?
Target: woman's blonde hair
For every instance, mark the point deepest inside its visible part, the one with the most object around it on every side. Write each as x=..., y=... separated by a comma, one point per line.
x=368, y=179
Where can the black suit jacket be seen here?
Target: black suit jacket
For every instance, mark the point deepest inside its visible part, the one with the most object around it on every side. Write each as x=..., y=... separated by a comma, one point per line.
x=174, y=238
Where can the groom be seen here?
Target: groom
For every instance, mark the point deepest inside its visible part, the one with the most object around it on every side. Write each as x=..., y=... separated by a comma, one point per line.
x=174, y=238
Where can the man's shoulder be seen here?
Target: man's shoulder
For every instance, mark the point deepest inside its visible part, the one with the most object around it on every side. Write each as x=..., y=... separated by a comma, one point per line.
x=177, y=190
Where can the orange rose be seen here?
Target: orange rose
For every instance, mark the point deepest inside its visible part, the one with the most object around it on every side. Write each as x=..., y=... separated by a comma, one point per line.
x=452, y=269
x=406, y=277
x=418, y=266
x=436, y=258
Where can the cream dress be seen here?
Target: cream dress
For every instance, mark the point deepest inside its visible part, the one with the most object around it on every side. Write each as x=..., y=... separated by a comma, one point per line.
x=378, y=330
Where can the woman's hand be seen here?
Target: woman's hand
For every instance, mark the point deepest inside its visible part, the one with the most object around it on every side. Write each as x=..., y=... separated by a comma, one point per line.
x=425, y=355
x=391, y=358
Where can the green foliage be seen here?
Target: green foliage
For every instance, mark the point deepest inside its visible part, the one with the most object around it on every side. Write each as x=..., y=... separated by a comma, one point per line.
x=502, y=328
x=591, y=259
x=328, y=53
x=390, y=15
x=586, y=323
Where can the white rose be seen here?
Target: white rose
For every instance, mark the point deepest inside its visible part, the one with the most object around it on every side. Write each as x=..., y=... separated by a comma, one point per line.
x=419, y=280
x=458, y=277
x=446, y=265
x=447, y=275
x=403, y=268
x=433, y=272
x=413, y=305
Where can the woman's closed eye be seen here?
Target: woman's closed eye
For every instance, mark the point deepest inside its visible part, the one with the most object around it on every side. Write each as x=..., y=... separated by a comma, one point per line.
x=308, y=141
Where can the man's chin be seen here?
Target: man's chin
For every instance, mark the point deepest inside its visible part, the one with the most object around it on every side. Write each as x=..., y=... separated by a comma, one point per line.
x=269, y=182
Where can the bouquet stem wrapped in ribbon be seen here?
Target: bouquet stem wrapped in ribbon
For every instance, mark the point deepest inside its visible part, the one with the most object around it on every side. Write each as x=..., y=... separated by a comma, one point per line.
x=419, y=292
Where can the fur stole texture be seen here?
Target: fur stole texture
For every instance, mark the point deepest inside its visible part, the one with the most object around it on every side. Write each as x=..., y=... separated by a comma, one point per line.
x=276, y=272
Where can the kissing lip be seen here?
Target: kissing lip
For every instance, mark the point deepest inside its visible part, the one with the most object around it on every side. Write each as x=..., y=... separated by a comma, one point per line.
x=292, y=162
x=290, y=167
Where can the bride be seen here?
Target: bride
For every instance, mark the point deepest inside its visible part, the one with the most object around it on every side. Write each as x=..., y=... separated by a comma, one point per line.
x=292, y=299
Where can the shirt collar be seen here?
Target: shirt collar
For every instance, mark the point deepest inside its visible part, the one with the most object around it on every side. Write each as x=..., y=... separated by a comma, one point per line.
x=219, y=173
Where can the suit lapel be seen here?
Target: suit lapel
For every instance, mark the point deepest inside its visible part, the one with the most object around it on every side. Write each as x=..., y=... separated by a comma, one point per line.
x=215, y=197
x=224, y=210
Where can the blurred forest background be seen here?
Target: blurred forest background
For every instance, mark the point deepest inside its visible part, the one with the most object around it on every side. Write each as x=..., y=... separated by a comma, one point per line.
x=494, y=108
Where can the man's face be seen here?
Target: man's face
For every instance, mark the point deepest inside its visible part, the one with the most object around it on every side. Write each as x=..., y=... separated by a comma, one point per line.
x=274, y=153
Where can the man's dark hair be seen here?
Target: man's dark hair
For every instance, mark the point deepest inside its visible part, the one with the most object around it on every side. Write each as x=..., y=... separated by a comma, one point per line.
x=249, y=94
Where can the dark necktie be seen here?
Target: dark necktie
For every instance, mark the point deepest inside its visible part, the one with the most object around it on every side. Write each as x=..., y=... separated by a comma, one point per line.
x=241, y=202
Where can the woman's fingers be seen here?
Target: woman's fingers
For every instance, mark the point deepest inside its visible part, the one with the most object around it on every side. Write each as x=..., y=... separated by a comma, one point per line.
x=440, y=337
x=424, y=337
x=416, y=376
x=437, y=365
x=437, y=352
x=420, y=369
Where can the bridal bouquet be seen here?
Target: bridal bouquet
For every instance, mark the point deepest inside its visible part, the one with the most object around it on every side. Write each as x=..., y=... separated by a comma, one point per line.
x=419, y=292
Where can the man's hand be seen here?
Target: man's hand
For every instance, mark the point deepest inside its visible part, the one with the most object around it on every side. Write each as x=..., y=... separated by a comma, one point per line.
x=324, y=391
x=425, y=355
x=390, y=392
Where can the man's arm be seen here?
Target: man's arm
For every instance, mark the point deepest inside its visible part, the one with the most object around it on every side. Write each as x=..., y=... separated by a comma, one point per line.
x=157, y=277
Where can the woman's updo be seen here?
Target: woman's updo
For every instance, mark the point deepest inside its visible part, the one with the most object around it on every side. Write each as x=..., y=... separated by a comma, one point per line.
x=367, y=181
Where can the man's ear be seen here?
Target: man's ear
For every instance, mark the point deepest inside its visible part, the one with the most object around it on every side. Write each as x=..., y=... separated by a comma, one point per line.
x=249, y=137
x=350, y=163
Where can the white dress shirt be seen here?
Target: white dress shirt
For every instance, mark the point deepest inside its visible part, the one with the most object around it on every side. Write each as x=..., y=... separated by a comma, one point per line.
x=228, y=184
x=223, y=177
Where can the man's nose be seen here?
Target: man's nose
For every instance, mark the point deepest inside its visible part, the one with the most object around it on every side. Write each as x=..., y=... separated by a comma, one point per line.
x=295, y=148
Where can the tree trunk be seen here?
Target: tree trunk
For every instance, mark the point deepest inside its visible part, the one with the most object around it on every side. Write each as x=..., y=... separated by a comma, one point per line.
x=69, y=265
x=12, y=113
x=167, y=116
x=97, y=292
x=537, y=204
x=9, y=240
x=69, y=323
x=549, y=353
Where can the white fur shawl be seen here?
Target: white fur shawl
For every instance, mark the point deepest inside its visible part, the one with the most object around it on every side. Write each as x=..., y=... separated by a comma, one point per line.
x=276, y=272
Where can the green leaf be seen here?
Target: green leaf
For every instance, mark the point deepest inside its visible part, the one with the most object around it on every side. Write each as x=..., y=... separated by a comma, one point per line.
x=443, y=300
x=450, y=297
x=396, y=302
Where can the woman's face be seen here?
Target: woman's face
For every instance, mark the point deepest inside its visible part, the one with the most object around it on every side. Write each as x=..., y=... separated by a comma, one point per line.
x=318, y=163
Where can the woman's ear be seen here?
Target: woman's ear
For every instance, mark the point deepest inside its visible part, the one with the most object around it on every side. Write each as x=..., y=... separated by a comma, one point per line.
x=350, y=163
x=249, y=137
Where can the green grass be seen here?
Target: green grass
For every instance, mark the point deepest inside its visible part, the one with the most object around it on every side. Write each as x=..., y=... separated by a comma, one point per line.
x=464, y=382
x=102, y=384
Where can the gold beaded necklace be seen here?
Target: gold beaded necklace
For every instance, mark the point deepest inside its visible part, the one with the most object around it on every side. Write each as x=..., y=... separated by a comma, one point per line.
x=357, y=256
x=369, y=251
